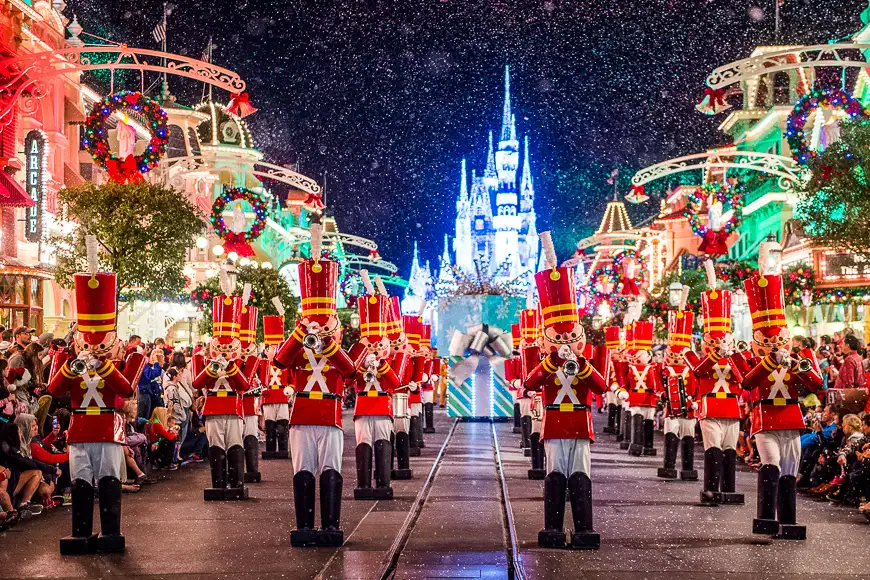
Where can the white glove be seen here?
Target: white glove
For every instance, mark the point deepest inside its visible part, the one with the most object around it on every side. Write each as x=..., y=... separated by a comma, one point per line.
x=288, y=391
x=413, y=386
x=694, y=406
x=614, y=387
x=425, y=378
x=622, y=395
x=565, y=352
x=725, y=352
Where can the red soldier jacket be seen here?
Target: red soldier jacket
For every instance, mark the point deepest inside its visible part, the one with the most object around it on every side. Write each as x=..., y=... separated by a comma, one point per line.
x=567, y=401
x=512, y=371
x=93, y=397
x=530, y=358
x=671, y=394
x=274, y=382
x=718, y=383
x=644, y=382
x=773, y=394
x=222, y=391
x=251, y=403
x=318, y=379
x=417, y=375
x=434, y=373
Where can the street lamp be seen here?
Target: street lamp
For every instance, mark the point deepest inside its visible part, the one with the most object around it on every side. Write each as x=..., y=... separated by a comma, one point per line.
x=597, y=320
x=675, y=293
x=354, y=320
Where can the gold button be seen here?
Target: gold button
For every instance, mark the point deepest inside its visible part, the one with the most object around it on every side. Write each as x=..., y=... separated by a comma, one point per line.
x=557, y=382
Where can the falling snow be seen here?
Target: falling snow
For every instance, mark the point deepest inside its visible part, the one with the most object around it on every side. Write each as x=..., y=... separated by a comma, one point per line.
x=384, y=98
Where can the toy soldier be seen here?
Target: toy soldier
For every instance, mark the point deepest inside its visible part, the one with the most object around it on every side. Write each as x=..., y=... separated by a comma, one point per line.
x=95, y=388
x=402, y=364
x=375, y=383
x=679, y=394
x=644, y=381
x=319, y=368
x=434, y=373
x=222, y=382
x=277, y=388
x=566, y=382
x=773, y=382
x=612, y=342
x=251, y=399
x=718, y=385
x=413, y=325
x=625, y=359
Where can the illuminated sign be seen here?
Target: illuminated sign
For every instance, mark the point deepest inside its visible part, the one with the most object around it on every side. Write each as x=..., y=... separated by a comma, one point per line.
x=34, y=148
x=841, y=268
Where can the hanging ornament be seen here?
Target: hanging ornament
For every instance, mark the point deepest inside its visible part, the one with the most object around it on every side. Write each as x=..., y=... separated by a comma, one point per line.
x=636, y=194
x=836, y=99
x=241, y=105
x=129, y=168
x=716, y=196
x=714, y=101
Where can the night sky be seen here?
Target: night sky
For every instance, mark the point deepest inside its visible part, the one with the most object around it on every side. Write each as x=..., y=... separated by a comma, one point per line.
x=386, y=97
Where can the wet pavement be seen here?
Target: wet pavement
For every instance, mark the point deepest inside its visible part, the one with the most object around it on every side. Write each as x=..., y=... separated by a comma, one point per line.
x=649, y=528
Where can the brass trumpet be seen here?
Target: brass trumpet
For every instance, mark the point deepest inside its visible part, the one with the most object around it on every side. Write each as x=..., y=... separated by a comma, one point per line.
x=742, y=346
x=804, y=365
x=312, y=342
x=217, y=366
x=78, y=366
x=369, y=377
x=571, y=367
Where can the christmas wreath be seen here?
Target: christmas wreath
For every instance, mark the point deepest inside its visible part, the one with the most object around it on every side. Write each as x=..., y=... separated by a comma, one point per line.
x=826, y=99
x=256, y=202
x=96, y=140
x=796, y=279
x=713, y=243
x=630, y=285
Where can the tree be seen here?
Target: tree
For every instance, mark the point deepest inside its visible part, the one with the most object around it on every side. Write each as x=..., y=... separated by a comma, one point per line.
x=144, y=231
x=834, y=203
x=264, y=285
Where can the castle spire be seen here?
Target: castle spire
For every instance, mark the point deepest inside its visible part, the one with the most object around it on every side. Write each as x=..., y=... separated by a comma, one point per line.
x=490, y=159
x=463, y=182
x=508, y=127
x=527, y=187
x=445, y=257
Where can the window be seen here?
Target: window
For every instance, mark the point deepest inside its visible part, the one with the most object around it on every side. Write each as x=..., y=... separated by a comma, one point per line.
x=176, y=146
x=781, y=88
x=193, y=138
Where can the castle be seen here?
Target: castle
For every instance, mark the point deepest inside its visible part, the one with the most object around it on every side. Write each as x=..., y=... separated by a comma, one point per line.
x=495, y=233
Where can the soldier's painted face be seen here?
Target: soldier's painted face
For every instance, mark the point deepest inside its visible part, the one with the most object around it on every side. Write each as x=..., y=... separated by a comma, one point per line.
x=762, y=345
x=85, y=342
x=399, y=344
x=675, y=358
x=714, y=343
x=379, y=348
x=642, y=357
x=573, y=336
x=229, y=350
x=327, y=325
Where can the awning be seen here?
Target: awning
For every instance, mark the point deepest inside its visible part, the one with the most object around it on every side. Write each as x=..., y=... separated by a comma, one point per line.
x=11, y=192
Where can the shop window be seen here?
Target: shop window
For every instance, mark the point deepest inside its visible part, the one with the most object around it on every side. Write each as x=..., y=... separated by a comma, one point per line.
x=176, y=146
x=781, y=88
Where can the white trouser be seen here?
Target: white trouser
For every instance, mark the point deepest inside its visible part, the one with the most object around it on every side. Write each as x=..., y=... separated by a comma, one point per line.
x=568, y=456
x=780, y=448
x=251, y=426
x=610, y=398
x=276, y=412
x=372, y=428
x=316, y=448
x=223, y=431
x=680, y=426
x=428, y=396
x=416, y=409
x=91, y=462
x=645, y=412
x=525, y=406
x=402, y=425
x=626, y=406
x=721, y=433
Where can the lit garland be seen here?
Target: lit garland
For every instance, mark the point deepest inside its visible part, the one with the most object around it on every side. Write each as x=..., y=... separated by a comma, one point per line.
x=595, y=294
x=728, y=195
x=481, y=283
x=255, y=200
x=735, y=273
x=796, y=279
x=827, y=99
x=626, y=286
x=96, y=141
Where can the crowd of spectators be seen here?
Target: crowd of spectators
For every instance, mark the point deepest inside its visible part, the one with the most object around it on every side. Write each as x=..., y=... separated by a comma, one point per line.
x=162, y=422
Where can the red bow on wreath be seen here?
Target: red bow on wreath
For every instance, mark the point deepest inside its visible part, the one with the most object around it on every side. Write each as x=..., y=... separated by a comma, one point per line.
x=713, y=243
x=713, y=102
x=629, y=286
x=314, y=200
x=241, y=105
x=124, y=171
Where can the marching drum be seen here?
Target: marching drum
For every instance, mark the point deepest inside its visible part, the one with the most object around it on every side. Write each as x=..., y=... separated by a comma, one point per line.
x=401, y=411
x=537, y=412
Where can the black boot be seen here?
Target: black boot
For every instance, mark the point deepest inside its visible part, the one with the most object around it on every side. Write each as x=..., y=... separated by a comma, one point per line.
x=611, y=419
x=217, y=458
x=617, y=421
x=580, y=488
x=363, y=472
x=419, y=432
x=526, y=438
x=235, y=473
x=768, y=486
x=330, y=533
x=688, y=471
x=429, y=415
x=303, y=499
x=786, y=510
x=672, y=443
x=553, y=534
x=729, y=478
x=83, y=540
x=518, y=423
x=271, y=443
x=537, y=472
x=412, y=437
x=712, y=476
x=383, y=459
x=403, y=451
x=252, y=459
x=110, y=540
x=636, y=447
x=649, y=444
x=282, y=435
x=626, y=431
